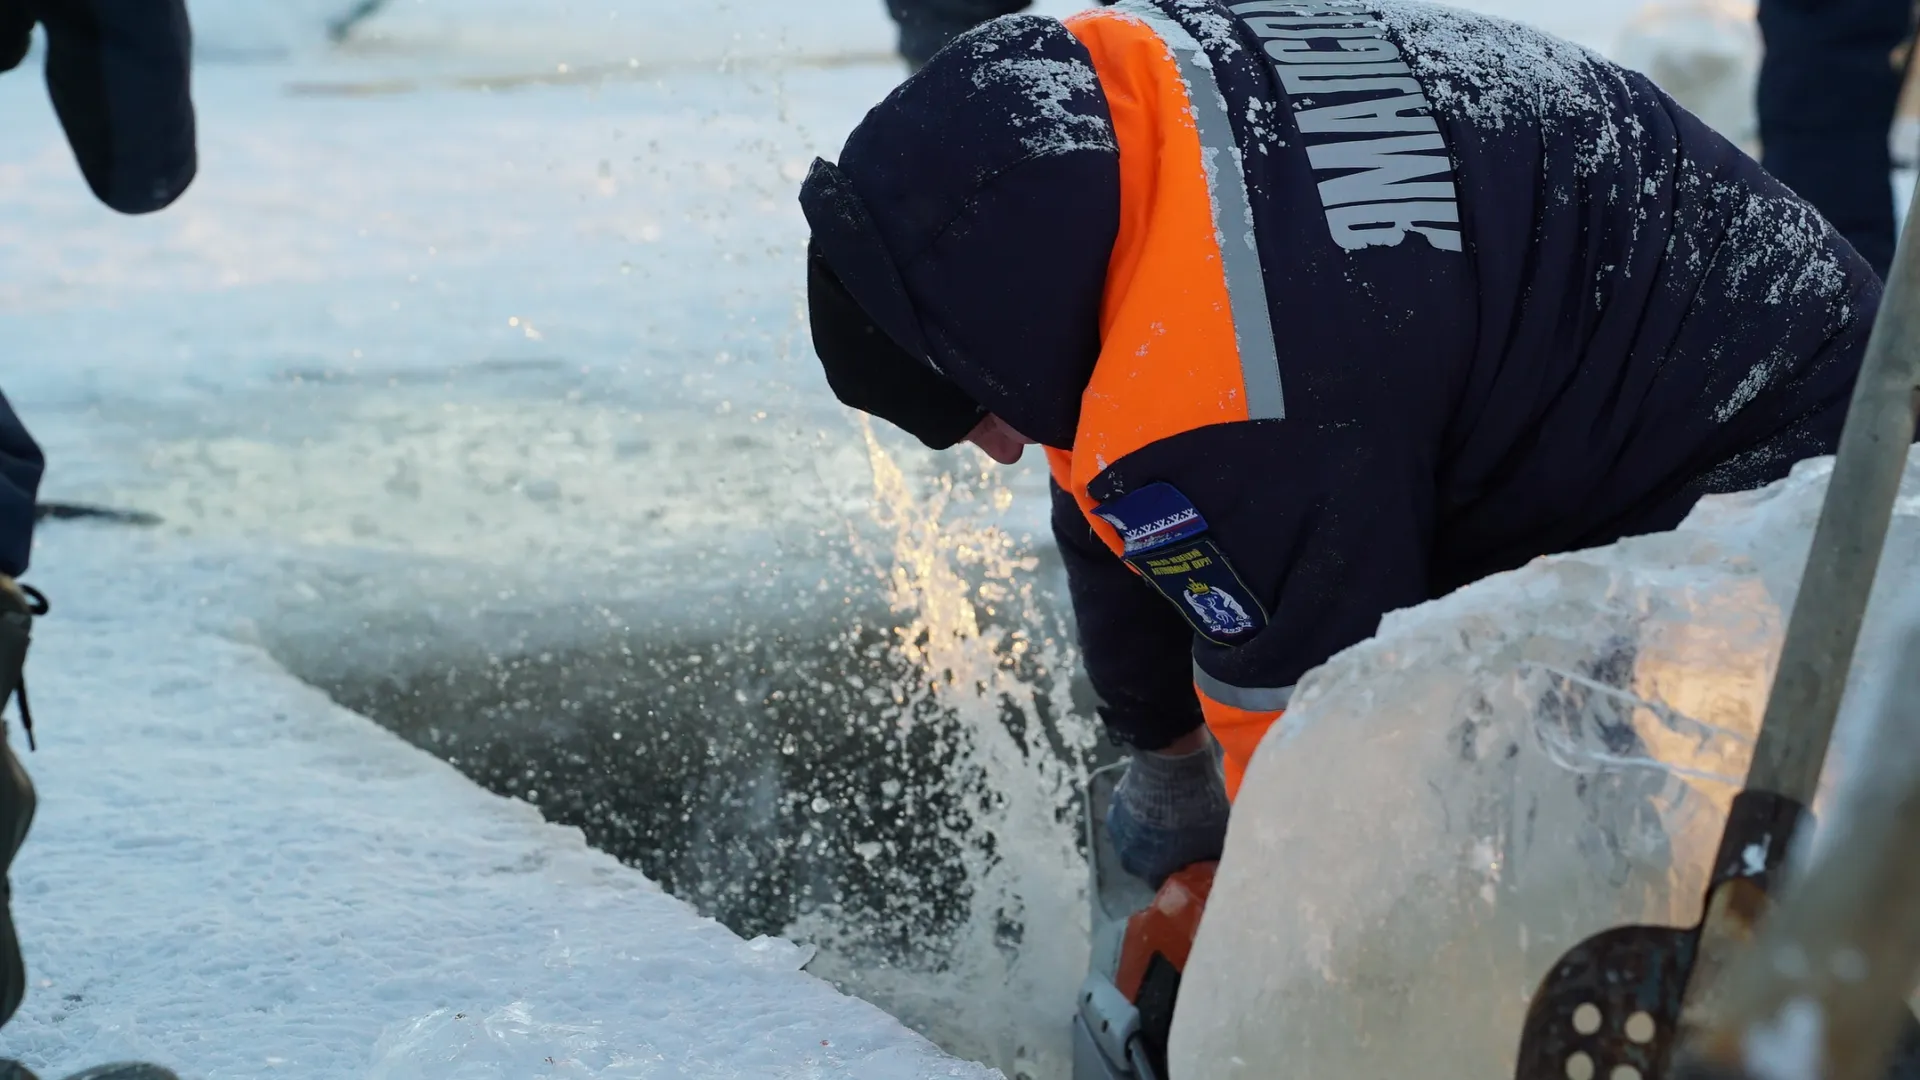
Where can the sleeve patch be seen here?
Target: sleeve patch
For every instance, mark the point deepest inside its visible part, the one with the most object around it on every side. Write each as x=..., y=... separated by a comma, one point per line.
x=1166, y=543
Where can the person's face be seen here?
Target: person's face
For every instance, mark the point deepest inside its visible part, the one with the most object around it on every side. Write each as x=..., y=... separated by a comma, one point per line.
x=1001, y=443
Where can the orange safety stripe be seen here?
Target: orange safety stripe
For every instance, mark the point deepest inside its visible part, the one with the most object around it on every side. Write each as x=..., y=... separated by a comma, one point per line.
x=1169, y=361
x=1238, y=731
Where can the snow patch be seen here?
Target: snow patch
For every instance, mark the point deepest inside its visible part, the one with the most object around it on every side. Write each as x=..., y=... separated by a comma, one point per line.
x=1495, y=73
x=1749, y=388
x=1779, y=248
x=1050, y=86
x=1215, y=29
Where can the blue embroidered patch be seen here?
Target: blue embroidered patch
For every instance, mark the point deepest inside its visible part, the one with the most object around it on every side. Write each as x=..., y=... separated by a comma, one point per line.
x=1153, y=516
x=1166, y=543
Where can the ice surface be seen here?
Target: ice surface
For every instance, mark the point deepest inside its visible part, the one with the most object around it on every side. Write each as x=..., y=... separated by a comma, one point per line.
x=235, y=876
x=1500, y=773
x=587, y=34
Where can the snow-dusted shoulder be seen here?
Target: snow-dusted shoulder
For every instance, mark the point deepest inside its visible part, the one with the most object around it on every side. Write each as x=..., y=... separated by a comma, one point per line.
x=234, y=876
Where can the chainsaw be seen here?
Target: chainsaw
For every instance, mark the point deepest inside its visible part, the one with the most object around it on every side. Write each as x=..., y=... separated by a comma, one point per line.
x=1141, y=939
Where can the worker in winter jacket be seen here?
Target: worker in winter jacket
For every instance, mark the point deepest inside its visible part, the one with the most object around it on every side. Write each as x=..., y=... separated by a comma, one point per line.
x=1320, y=309
x=119, y=77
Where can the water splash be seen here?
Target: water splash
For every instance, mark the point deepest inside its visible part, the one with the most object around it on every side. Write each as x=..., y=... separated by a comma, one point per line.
x=994, y=663
x=858, y=735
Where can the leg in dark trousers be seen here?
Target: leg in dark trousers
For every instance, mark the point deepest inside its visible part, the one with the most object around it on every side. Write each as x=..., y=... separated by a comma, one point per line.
x=926, y=25
x=1828, y=88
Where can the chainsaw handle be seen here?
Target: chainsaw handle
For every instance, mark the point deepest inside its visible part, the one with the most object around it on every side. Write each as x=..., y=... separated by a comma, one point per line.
x=1825, y=625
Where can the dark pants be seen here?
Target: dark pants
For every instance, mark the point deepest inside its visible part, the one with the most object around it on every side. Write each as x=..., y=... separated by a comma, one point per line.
x=1828, y=88
x=926, y=25
x=20, y=467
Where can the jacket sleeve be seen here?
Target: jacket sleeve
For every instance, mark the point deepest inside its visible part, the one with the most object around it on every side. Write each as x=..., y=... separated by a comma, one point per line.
x=20, y=465
x=1137, y=649
x=1328, y=527
x=119, y=72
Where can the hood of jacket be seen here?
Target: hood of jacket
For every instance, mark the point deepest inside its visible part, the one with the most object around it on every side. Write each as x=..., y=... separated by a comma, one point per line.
x=972, y=217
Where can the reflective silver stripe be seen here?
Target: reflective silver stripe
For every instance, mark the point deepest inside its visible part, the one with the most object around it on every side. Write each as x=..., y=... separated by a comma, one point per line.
x=1232, y=214
x=1250, y=698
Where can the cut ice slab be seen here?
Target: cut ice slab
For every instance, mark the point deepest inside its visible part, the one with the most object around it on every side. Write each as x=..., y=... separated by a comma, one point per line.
x=1496, y=776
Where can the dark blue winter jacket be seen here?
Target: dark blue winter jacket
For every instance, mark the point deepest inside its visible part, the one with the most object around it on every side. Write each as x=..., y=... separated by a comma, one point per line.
x=20, y=467
x=118, y=72
x=1607, y=312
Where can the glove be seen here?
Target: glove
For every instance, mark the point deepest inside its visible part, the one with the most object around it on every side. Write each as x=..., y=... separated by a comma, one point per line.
x=1169, y=813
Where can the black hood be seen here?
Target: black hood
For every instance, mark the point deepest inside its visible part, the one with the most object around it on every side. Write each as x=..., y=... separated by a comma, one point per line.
x=971, y=219
x=869, y=370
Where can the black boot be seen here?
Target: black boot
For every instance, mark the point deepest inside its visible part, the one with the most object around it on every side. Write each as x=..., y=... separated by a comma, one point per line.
x=17, y=610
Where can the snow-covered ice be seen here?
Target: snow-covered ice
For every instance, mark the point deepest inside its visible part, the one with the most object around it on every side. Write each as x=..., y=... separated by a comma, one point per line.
x=1500, y=773
x=233, y=875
